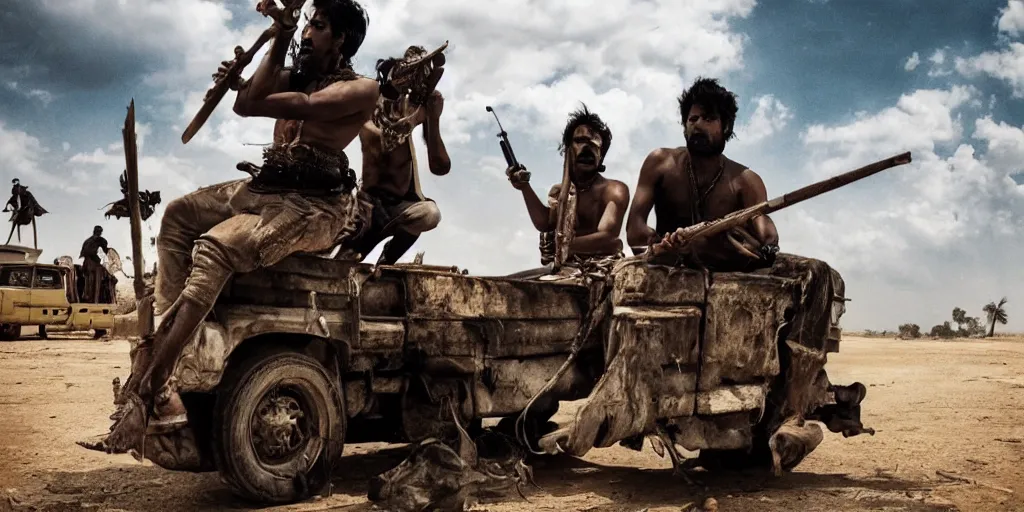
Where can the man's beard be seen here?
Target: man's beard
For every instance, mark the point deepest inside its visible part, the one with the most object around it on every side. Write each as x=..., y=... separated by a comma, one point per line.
x=304, y=61
x=700, y=144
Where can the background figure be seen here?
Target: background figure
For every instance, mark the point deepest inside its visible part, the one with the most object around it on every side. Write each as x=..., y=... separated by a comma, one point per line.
x=23, y=207
x=92, y=267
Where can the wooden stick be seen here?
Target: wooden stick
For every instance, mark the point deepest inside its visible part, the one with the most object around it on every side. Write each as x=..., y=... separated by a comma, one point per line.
x=35, y=239
x=958, y=478
x=132, y=170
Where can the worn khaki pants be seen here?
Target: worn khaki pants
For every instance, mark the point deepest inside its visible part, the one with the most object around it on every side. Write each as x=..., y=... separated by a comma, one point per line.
x=216, y=231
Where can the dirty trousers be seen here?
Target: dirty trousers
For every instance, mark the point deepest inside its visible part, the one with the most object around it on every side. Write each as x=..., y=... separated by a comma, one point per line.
x=93, y=273
x=403, y=219
x=216, y=231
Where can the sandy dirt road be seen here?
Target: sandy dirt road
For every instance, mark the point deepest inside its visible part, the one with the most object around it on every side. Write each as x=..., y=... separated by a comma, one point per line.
x=937, y=406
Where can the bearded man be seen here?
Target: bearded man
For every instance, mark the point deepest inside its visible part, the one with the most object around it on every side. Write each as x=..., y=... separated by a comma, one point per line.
x=390, y=179
x=601, y=203
x=299, y=201
x=691, y=184
x=686, y=186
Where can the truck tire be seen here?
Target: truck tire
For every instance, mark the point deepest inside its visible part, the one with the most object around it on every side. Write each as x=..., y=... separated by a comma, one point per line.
x=99, y=333
x=274, y=413
x=10, y=332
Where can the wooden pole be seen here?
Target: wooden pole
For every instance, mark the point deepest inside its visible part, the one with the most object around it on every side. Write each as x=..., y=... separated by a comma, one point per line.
x=132, y=169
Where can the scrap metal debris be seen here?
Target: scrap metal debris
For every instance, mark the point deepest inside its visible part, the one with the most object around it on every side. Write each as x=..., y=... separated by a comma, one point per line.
x=437, y=477
x=147, y=202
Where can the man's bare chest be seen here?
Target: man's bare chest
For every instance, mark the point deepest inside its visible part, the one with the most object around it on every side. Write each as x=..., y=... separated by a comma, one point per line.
x=710, y=199
x=589, y=209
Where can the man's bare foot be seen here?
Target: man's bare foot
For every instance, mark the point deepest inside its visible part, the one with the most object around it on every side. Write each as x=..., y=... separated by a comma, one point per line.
x=169, y=413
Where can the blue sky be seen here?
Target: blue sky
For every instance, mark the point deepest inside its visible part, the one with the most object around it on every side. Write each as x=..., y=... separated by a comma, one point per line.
x=824, y=87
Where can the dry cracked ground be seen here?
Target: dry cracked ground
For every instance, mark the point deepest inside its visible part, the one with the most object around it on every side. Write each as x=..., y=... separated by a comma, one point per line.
x=938, y=407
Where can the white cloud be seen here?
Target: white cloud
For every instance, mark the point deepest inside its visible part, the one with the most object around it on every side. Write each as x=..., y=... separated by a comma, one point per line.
x=1006, y=65
x=938, y=59
x=907, y=243
x=769, y=117
x=1011, y=18
x=40, y=95
x=22, y=156
x=912, y=62
x=916, y=123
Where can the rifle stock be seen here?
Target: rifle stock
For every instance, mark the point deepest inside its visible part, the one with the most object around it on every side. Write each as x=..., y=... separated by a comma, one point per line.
x=681, y=237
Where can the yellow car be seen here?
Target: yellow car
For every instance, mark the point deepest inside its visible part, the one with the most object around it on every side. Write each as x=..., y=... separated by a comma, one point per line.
x=43, y=295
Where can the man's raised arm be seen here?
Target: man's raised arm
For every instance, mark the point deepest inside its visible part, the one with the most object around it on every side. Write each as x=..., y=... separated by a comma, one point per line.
x=540, y=214
x=336, y=101
x=270, y=76
x=437, y=154
x=638, y=233
x=606, y=239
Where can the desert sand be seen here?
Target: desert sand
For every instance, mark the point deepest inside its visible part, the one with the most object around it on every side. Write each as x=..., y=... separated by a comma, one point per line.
x=938, y=406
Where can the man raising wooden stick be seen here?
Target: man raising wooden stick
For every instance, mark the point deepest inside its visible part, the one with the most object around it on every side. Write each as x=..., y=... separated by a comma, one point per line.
x=299, y=201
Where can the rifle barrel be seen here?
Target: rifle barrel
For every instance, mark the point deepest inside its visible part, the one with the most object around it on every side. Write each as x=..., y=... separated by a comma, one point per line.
x=816, y=189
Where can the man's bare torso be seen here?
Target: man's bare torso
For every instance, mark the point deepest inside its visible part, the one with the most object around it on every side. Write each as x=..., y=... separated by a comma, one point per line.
x=333, y=136
x=388, y=172
x=674, y=193
x=590, y=204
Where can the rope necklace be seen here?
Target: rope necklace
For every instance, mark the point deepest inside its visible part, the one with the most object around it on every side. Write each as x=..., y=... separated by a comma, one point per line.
x=696, y=207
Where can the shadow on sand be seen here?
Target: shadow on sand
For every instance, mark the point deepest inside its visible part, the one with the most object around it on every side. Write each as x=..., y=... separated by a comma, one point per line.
x=130, y=487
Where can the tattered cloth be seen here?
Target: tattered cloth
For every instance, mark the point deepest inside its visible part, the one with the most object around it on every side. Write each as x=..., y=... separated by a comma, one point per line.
x=623, y=403
x=245, y=226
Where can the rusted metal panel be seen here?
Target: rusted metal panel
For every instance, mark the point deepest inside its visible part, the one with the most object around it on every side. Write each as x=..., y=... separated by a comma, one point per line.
x=511, y=383
x=525, y=338
x=287, y=284
x=724, y=432
x=728, y=399
x=672, y=332
x=637, y=283
x=448, y=296
x=382, y=296
x=492, y=338
x=677, y=395
x=447, y=338
x=744, y=315
x=315, y=267
x=381, y=335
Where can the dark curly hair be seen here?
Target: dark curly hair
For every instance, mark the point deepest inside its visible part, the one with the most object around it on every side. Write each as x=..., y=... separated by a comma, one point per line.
x=711, y=96
x=346, y=17
x=580, y=117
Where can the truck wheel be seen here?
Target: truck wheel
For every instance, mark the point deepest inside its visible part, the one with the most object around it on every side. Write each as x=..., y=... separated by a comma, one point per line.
x=42, y=332
x=279, y=428
x=99, y=333
x=9, y=332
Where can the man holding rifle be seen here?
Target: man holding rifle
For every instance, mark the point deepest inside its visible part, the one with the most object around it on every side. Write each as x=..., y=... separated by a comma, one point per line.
x=601, y=204
x=299, y=201
x=696, y=184
x=686, y=186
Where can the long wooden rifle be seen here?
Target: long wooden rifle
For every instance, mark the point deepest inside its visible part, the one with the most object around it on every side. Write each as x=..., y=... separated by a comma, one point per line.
x=677, y=241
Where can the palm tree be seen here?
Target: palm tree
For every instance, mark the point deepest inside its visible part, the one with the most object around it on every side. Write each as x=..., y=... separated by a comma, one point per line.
x=995, y=313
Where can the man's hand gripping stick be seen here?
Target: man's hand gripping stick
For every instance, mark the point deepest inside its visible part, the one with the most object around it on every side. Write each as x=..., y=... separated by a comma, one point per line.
x=284, y=20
